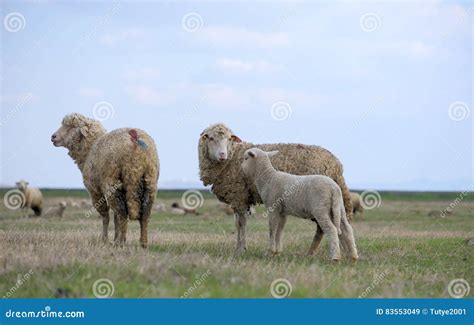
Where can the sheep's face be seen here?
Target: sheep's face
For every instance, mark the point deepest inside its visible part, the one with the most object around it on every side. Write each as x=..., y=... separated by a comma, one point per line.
x=22, y=185
x=251, y=158
x=249, y=163
x=64, y=135
x=219, y=145
x=74, y=129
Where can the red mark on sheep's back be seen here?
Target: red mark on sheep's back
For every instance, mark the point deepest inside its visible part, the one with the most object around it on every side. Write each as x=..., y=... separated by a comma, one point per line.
x=133, y=134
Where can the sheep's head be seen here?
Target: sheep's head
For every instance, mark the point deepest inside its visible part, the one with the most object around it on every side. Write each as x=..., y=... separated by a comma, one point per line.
x=218, y=140
x=22, y=185
x=74, y=129
x=251, y=159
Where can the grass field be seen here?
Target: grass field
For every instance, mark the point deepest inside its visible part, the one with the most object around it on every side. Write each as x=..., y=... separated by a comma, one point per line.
x=404, y=252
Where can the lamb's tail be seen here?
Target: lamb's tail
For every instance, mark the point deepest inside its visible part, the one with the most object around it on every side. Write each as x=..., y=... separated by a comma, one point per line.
x=337, y=211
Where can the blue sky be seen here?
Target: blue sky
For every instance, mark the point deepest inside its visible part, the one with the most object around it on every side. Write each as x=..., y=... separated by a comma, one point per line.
x=386, y=86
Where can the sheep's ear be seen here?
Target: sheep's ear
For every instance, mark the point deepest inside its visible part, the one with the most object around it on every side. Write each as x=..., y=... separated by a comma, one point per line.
x=272, y=153
x=252, y=154
x=235, y=138
x=84, y=131
x=204, y=136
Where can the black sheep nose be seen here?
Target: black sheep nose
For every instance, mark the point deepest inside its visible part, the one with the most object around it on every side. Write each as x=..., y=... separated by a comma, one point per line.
x=53, y=137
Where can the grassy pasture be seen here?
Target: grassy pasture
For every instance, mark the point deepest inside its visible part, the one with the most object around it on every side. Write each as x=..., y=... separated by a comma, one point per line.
x=405, y=250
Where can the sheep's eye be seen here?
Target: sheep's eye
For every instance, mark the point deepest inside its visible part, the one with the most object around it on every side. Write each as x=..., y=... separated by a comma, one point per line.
x=211, y=138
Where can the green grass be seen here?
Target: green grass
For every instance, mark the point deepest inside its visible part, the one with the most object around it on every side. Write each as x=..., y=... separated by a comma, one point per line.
x=405, y=252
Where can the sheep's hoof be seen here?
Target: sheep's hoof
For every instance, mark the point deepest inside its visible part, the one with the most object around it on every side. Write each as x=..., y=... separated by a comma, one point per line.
x=144, y=245
x=335, y=260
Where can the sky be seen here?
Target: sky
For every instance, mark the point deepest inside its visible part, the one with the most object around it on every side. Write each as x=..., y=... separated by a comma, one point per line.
x=385, y=86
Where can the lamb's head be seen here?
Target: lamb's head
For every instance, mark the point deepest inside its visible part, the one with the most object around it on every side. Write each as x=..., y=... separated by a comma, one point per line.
x=217, y=140
x=22, y=185
x=75, y=129
x=254, y=157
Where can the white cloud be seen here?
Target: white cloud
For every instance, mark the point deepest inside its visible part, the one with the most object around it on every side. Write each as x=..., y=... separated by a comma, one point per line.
x=148, y=95
x=142, y=73
x=224, y=96
x=238, y=37
x=236, y=65
x=111, y=39
x=90, y=92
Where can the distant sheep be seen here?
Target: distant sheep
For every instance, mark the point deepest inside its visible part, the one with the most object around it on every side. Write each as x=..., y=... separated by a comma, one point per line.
x=33, y=199
x=177, y=209
x=221, y=152
x=57, y=211
x=357, y=206
x=120, y=170
x=313, y=197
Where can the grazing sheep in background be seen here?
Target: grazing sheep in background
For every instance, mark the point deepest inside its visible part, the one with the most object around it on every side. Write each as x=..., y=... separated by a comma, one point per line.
x=57, y=211
x=177, y=209
x=221, y=152
x=313, y=197
x=159, y=207
x=357, y=205
x=33, y=199
x=120, y=170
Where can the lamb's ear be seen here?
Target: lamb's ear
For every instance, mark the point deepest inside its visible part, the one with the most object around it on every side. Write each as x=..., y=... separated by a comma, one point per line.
x=204, y=136
x=272, y=153
x=85, y=131
x=235, y=138
x=252, y=154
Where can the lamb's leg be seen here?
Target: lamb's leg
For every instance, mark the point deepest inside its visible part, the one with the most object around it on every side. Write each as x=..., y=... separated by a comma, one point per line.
x=318, y=236
x=273, y=222
x=347, y=239
x=324, y=221
x=279, y=230
x=240, y=223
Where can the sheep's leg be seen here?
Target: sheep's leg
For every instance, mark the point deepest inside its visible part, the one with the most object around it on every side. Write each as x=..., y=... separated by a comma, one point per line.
x=273, y=222
x=240, y=223
x=101, y=206
x=116, y=227
x=123, y=230
x=347, y=239
x=318, y=236
x=144, y=232
x=324, y=221
x=279, y=230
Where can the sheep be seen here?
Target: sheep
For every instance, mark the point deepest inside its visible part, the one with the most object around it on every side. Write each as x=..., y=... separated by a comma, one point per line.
x=313, y=197
x=120, y=170
x=221, y=153
x=357, y=206
x=33, y=198
x=177, y=209
x=57, y=211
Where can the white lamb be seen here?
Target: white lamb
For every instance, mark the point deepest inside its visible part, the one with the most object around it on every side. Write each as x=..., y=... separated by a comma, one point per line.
x=313, y=197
